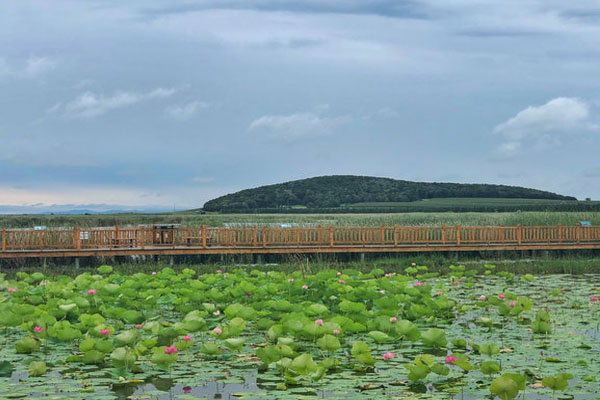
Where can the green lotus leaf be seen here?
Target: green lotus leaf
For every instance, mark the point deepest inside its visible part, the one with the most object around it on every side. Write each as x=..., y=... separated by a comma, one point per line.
x=27, y=345
x=489, y=349
x=268, y=354
x=558, y=382
x=132, y=317
x=210, y=348
x=303, y=364
x=93, y=357
x=124, y=357
x=104, y=345
x=317, y=309
x=489, y=367
x=434, y=337
x=86, y=345
x=37, y=368
x=505, y=387
x=91, y=320
x=360, y=351
x=440, y=369
x=6, y=368
x=417, y=372
x=379, y=337
x=328, y=343
x=105, y=269
x=235, y=343
x=127, y=338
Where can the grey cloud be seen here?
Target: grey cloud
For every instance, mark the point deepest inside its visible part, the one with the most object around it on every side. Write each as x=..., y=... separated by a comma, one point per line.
x=32, y=67
x=89, y=104
x=296, y=126
x=184, y=112
x=388, y=8
x=541, y=124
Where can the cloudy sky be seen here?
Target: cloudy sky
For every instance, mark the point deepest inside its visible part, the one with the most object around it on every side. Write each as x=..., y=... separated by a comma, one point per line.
x=156, y=104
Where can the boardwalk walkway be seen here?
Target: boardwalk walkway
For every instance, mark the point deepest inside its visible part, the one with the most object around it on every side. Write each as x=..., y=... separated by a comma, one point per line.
x=165, y=240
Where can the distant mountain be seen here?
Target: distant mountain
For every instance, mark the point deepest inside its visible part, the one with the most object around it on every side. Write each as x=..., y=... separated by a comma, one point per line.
x=328, y=192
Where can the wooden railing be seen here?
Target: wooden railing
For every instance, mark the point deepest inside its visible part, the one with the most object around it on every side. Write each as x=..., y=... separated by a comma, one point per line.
x=304, y=237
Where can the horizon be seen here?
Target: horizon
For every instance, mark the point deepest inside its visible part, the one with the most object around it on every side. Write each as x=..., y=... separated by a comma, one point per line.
x=155, y=105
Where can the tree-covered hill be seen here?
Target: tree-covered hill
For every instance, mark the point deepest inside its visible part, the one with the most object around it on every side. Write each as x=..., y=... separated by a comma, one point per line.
x=327, y=192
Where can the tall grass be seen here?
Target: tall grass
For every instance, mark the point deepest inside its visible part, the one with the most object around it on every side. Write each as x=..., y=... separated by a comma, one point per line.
x=402, y=219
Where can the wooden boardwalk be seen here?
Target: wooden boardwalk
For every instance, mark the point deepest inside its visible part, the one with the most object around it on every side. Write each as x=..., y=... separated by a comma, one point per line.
x=116, y=241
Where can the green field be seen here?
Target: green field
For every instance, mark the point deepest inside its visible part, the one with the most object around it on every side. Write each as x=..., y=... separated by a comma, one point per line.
x=478, y=204
x=191, y=219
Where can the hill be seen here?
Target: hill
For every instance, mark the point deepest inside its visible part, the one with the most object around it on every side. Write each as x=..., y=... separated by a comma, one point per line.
x=343, y=191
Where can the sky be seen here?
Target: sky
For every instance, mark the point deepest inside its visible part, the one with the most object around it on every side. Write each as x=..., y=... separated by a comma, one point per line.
x=162, y=104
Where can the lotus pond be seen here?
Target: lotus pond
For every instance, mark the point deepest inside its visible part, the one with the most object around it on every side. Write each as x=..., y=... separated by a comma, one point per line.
x=269, y=335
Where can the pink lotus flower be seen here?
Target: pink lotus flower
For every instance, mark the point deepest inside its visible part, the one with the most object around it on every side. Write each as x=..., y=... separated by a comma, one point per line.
x=91, y=292
x=170, y=350
x=594, y=298
x=153, y=272
x=216, y=312
x=482, y=297
x=291, y=280
x=439, y=293
x=186, y=338
x=138, y=326
x=393, y=320
x=318, y=321
x=449, y=359
x=512, y=303
x=417, y=284
x=38, y=329
x=382, y=291
x=501, y=296
x=304, y=286
x=413, y=264
x=217, y=331
x=387, y=275
x=103, y=332
x=43, y=283
x=248, y=294
x=388, y=356
x=12, y=289
x=341, y=281
x=219, y=271
x=338, y=273
x=456, y=283
x=336, y=331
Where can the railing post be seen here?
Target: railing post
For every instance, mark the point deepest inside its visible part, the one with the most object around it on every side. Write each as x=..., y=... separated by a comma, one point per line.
x=77, y=238
x=330, y=235
x=254, y=236
x=382, y=234
x=578, y=234
x=395, y=235
x=458, y=234
x=116, y=238
x=319, y=235
x=519, y=234
x=141, y=232
x=560, y=235
x=443, y=233
x=41, y=243
x=3, y=239
x=502, y=230
x=264, y=236
x=203, y=233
